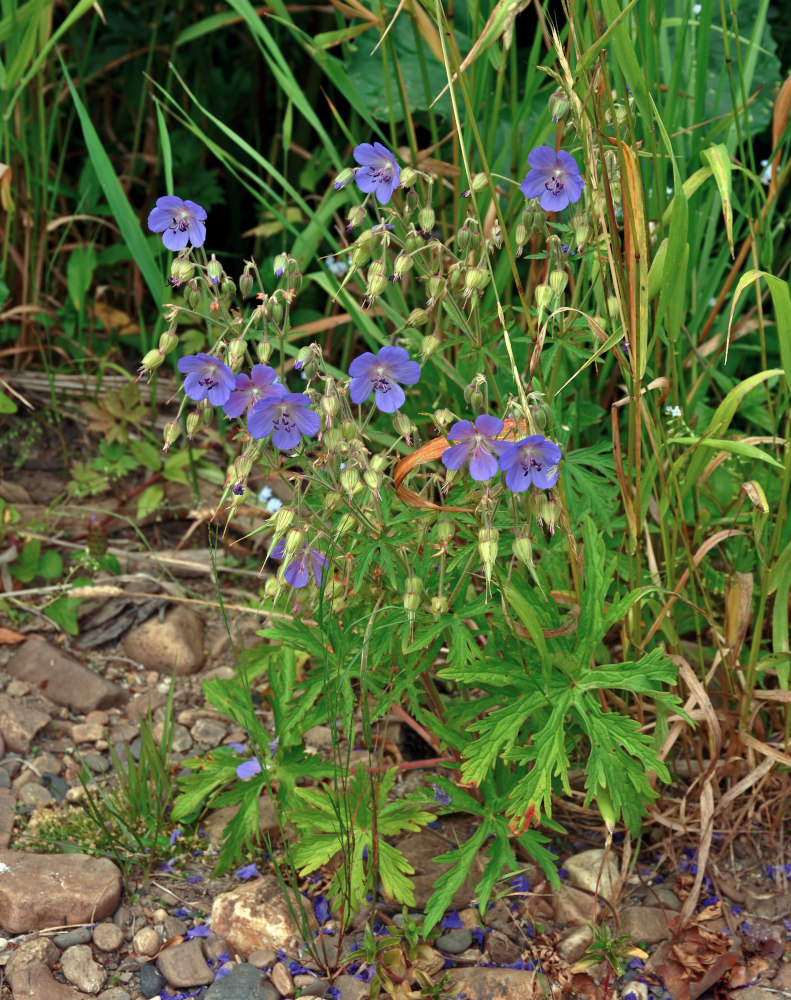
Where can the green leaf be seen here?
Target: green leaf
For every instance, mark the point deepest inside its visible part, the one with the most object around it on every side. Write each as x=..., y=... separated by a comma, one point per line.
x=64, y=613
x=79, y=274
x=149, y=501
x=446, y=886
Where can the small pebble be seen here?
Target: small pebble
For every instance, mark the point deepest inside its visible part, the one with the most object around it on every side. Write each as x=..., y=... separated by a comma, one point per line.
x=80, y=935
x=263, y=958
x=282, y=979
x=147, y=941
x=108, y=937
x=151, y=982
x=455, y=940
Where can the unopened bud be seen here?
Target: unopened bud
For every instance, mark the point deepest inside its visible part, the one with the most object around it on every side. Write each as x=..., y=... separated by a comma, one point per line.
x=168, y=341
x=463, y=240
x=523, y=550
x=521, y=237
x=557, y=282
x=412, y=241
x=332, y=501
x=377, y=281
x=228, y=288
x=380, y=462
x=373, y=480
x=350, y=480
x=479, y=182
x=181, y=270
x=170, y=434
x=418, y=317
x=612, y=307
x=402, y=264
x=403, y=424
x=496, y=239
x=439, y=606
x=436, y=285
x=487, y=549
x=429, y=346
x=152, y=360
x=272, y=588
x=426, y=219
x=193, y=295
x=245, y=284
x=214, y=271
x=280, y=264
x=349, y=430
x=194, y=421
x=346, y=523
x=275, y=310
x=446, y=532
x=330, y=406
x=442, y=418
x=582, y=233
x=476, y=279
x=294, y=540
x=559, y=106
x=343, y=178
x=333, y=438
x=264, y=351
x=413, y=589
x=237, y=349
x=361, y=254
x=543, y=295
x=282, y=521
x=355, y=217
x=408, y=177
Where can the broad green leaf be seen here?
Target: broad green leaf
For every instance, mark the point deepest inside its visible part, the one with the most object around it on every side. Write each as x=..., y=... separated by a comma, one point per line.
x=719, y=160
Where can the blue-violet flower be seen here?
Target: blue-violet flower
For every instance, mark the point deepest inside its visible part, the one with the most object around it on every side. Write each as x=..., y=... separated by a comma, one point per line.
x=305, y=560
x=477, y=442
x=380, y=373
x=378, y=170
x=285, y=415
x=534, y=460
x=554, y=178
x=206, y=376
x=180, y=222
x=249, y=389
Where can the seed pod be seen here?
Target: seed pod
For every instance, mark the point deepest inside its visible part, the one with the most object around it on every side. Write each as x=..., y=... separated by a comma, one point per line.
x=446, y=532
x=245, y=284
x=436, y=285
x=294, y=540
x=479, y=182
x=521, y=237
x=346, y=523
x=282, y=521
x=237, y=349
x=443, y=417
x=523, y=550
x=439, y=606
x=429, y=346
x=403, y=425
x=194, y=421
x=170, y=434
x=361, y=254
x=543, y=295
x=377, y=281
x=412, y=241
x=373, y=480
x=402, y=264
x=426, y=218
x=413, y=589
x=487, y=548
x=152, y=360
x=264, y=351
x=418, y=317
x=350, y=480
x=557, y=282
x=408, y=177
x=330, y=407
x=168, y=341
x=476, y=279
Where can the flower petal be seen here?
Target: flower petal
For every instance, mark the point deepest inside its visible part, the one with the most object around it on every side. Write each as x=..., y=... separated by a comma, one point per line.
x=175, y=239
x=543, y=158
x=197, y=233
x=488, y=425
x=196, y=211
x=391, y=400
x=483, y=464
x=461, y=430
x=361, y=366
x=360, y=389
x=453, y=458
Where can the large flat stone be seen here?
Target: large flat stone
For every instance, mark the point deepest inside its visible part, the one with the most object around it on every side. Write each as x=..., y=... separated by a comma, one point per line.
x=47, y=890
x=62, y=679
x=257, y=915
x=19, y=724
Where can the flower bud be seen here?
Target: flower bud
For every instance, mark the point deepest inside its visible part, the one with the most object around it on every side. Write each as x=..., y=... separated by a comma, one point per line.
x=443, y=418
x=426, y=219
x=446, y=532
x=243, y=466
x=151, y=360
x=350, y=480
x=418, y=317
x=329, y=406
x=476, y=279
x=557, y=282
x=476, y=401
x=264, y=351
x=193, y=295
x=413, y=588
x=272, y=588
x=487, y=549
x=227, y=288
x=403, y=263
x=280, y=264
x=333, y=438
x=496, y=239
x=479, y=182
x=170, y=434
x=521, y=237
x=294, y=540
x=436, y=285
x=380, y=462
x=543, y=297
x=237, y=349
x=214, y=271
x=343, y=178
x=546, y=511
x=408, y=177
x=361, y=254
x=523, y=550
x=373, y=480
x=429, y=346
x=612, y=308
x=245, y=284
x=559, y=106
x=411, y=202
x=282, y=521
x=439, y=606
x=168, y=341
x=207, y=412
x=355, y=217
x=582, y=233
x=377, y=282
x=412, y=241
x=346, y=523
x=331, y=501
x=180, y=270
x=349, y=430
x=194, y=421
x=463, y=239
x=403, y=425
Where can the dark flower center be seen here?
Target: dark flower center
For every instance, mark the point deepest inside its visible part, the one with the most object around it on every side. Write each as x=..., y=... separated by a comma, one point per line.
x=209, y=381
x=284, y=422
x=382, y=383
x=528, y=463
x=382, y=173
x=555, y=184
x=182, y=224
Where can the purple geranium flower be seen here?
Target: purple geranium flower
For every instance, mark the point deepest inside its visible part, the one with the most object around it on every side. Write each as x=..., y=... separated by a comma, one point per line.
x=180, y=222
x=380, y=373
x=249, y=389
x=206, y=376
x=297, y=573
x=553, y=178
x=477, y=442
x=249, y=871
x=378, y=170
x=285, y=415
x=441, y=796
x=534, y=460
x=248, y=769
x=200, y=931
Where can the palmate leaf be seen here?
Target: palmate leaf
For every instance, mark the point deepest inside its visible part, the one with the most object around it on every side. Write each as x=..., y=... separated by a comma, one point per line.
x=644, y=676
x=500, y=731
x=394, y=874
x=453, y=879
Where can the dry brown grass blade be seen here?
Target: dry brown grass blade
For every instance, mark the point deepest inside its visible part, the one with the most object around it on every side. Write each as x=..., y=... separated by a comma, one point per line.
x=780, y=117
x=706, y=547
x=738, y=614
x=697, y=696
x=704, y=849
x=764, y=749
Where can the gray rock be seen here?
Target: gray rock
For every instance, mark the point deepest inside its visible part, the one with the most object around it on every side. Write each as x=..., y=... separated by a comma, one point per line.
x=108, y=937
x=262, y=958
x=209, y=732
x=78, y=935
x=151, y=982
x=243, y=982
x=351, y=988
x=5, y=778
x=99, y=763
x=575, y=944
x=485, y=984
x=57, y=785
x=584, y=869
x=115, y=993
x=81, y=970
x=38, y=951
x=68, y=682
x=309, y=986
x=184, y=964
x=645, y=923
x=34, y=796
x=175, y=643
x=174, y=927
x=7, y=813
x=454, y=941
